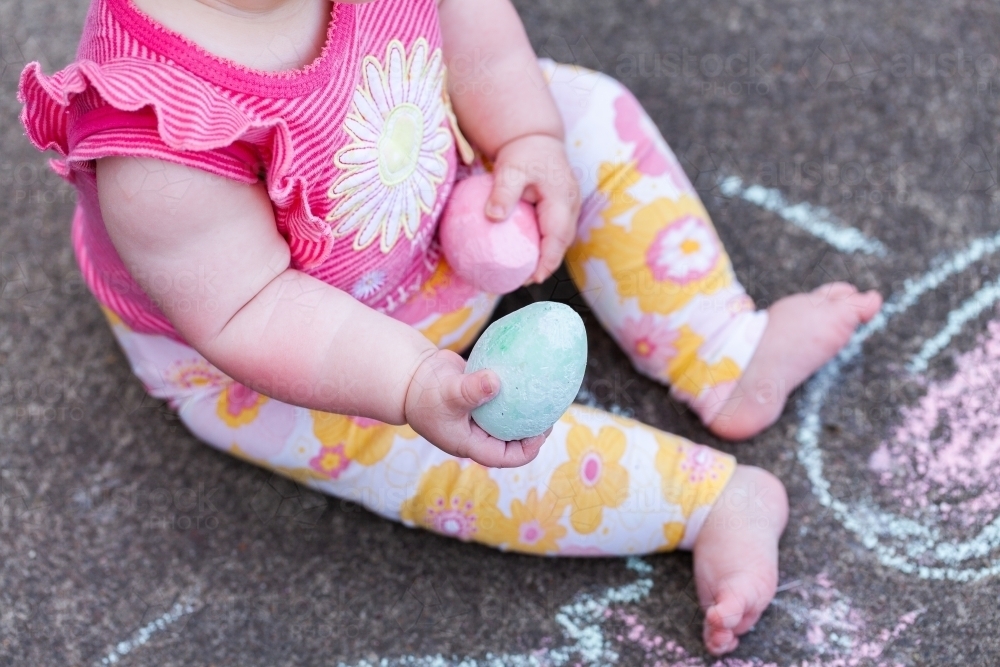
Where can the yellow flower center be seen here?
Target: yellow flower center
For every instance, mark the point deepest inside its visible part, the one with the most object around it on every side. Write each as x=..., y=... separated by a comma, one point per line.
x=643, y=348
x=690, y=246
x=399, y=145
x=329, y=461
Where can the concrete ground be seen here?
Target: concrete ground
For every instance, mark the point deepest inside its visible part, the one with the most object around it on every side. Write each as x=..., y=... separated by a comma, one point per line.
x=122, y=539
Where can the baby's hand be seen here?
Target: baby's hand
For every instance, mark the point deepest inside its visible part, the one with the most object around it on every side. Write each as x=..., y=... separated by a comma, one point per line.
x=437, y=406
x=535, y=167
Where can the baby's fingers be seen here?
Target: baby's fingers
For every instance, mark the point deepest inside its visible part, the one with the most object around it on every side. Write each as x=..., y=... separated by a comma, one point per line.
x=557, y=218
x=473, y=390
x=508, y=186
x=493, y=453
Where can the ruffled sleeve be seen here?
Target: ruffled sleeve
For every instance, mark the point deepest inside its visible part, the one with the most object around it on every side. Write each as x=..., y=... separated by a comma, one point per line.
x=145, y=108
x=140, y=108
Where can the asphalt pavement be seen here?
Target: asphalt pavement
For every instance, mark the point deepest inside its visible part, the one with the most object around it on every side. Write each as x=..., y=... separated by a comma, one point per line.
x=860, y=141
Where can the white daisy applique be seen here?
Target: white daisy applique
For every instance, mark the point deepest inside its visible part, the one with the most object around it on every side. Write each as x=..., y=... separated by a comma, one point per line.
x=368, y=284
x=392, y=167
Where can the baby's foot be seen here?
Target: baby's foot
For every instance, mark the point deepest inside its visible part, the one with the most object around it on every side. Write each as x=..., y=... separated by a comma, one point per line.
x=736, y=556
x=803, y=332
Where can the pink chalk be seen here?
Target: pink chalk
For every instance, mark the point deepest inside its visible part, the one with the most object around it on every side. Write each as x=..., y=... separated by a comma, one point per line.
x=496, y=257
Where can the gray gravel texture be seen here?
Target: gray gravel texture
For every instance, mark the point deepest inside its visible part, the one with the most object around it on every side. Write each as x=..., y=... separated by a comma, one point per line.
x=123, y=538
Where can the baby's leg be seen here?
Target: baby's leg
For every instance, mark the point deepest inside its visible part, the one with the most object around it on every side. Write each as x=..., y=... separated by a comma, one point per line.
x=601, y=485
x=649, y=262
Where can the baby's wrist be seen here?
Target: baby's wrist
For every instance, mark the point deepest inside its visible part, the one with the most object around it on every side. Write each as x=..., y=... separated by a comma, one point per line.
x=413, y=383
x=556, y=136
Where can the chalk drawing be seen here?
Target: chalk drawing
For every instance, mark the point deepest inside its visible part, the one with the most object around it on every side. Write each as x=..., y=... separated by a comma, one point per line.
x=598, y=631
x=973, y=307
x=943, y=459
x=586, y=397
x=143, y=634
x=913, y=545
x=816, y=220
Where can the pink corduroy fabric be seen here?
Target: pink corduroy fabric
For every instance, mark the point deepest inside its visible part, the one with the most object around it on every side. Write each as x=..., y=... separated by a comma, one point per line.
x=139, y=89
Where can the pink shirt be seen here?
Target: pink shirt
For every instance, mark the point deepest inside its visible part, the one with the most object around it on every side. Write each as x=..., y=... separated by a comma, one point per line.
x=356, y=149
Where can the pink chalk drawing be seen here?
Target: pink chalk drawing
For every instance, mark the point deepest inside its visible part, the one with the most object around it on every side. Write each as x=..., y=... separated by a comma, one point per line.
x=923, y=535
x=840, y=634
x=943, y=459
x=600, y=630
x=837, y=633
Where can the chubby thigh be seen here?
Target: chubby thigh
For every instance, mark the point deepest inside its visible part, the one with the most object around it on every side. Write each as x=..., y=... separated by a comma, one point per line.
x=602, y=484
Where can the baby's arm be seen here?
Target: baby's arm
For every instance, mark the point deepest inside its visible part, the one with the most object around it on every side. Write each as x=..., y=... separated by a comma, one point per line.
x=504, y=106
x=214, y=263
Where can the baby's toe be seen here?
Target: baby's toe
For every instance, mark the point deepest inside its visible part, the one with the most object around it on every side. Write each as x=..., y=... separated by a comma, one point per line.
x=750, y=617
x=836, y=290
x=718, y=640
x=721, y=621
x=871, y=304
x=727, y=612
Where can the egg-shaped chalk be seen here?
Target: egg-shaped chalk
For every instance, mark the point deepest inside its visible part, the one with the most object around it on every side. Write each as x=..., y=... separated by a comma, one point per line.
x=495, y=257
x=540, y=354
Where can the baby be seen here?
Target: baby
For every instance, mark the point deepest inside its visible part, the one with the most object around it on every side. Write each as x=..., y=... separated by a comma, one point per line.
x=259, y=186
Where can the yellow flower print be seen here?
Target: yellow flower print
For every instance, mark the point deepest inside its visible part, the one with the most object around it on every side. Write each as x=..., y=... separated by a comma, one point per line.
x=438, y=281
x=614, y=180
x=331, y=461
x=689, y=374
x=194, y=374
x=690, y=475
x=673, y=533
x=664, y=256
x=534, y=525
x=365, y=441
x=446, y=324
x=112, y=317
x=592, y=479
x=238, y=405
x=458, y=502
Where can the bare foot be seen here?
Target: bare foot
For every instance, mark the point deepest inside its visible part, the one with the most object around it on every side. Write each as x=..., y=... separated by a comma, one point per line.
x=803, y=332
x=736, y=556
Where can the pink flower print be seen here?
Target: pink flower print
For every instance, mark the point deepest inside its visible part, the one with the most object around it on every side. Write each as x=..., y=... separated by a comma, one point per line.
x=239, y=398
x=590, y=468
x=684, y=251
x=331, y=461
x=365, y=422
x=194, y=374
x=530, y=532
x=649, y=342
x=238, y=405
x=651, y=154
x=456, y=520
x=628, y=125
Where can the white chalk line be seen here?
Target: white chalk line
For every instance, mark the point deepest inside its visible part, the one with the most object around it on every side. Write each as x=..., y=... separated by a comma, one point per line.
x=816, y=220
x=580, y=621
x=864, y=519
x=971, y=308
x=143, y=634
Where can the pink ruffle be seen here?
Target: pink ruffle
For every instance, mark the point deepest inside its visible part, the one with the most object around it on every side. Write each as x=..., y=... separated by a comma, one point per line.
x=191, y=115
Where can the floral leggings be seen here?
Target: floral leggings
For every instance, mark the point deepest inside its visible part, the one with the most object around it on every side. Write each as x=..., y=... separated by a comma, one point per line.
x=649, y=263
